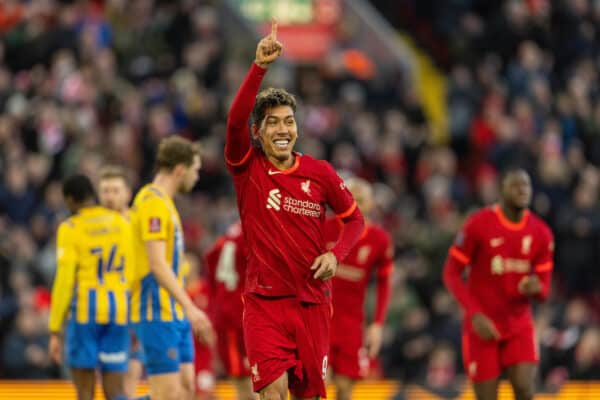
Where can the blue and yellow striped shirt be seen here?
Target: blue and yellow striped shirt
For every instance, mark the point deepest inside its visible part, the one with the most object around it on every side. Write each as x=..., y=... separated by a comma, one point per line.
x=94, y=252
x=154, y=217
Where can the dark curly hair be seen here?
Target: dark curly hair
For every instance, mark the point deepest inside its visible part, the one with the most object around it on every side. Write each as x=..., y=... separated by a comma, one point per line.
x=268, y=98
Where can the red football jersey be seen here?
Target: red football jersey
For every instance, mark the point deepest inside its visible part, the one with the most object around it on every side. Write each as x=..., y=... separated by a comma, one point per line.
x=282, y=211
x=372, y=254
x=226, y=275
x=500, y=253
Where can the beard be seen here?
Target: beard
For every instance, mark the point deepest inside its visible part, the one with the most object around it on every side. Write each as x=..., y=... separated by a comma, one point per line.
x=183, y=188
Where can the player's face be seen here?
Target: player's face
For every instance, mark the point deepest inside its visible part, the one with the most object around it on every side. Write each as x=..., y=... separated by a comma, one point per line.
x=114, y=193
x=278, y=133
x=190, y=176
x=363, y=195
x=516, y=189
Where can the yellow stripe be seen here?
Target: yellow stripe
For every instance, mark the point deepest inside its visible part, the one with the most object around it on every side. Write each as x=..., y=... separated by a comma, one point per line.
x=101, y=306
x=82, y=307
x=367, y=390
x=135, y=302
x=179, y=311
x=431, y=84
x=122, y=307
x=165, y=305
x=148, y=301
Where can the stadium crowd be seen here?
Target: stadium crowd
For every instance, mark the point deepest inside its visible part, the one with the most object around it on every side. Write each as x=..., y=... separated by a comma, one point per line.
x=84, y=83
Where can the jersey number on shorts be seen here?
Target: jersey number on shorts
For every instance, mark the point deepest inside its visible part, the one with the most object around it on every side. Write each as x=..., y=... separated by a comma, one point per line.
x=107, y=264
x=226, y=271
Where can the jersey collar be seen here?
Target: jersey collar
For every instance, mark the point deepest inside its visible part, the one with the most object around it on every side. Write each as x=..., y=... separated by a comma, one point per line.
x=508, y=224
x=290, y=169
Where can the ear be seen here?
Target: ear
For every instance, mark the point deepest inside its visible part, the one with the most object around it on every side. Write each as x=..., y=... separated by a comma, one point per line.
x=179, y=169
x=254, y=129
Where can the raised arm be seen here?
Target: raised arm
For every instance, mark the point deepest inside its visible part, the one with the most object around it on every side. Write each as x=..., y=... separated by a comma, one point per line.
x=237, y=145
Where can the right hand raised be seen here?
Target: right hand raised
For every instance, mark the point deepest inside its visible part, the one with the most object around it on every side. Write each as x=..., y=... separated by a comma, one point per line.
x=484, y=327
x=201, y=326
x=268, y=49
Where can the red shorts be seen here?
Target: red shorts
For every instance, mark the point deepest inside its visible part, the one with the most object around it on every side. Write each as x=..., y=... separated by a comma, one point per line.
x=203, y=368
x=347, y=356
x=232, y=351
x=485, y=359
x=283, y=334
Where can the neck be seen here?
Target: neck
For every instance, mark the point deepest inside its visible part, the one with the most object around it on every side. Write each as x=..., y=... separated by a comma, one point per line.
x=166, y=183
x=288, y=163
x=513, y=214
x=85, y=204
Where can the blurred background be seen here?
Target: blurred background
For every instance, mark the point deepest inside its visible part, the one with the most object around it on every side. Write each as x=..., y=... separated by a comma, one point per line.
x=426, y=99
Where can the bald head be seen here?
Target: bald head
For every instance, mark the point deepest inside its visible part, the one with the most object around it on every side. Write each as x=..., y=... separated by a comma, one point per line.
x=362, y=192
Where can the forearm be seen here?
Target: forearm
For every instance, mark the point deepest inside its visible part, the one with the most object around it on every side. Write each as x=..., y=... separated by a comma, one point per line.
x=167, y=279
x=238, y=140
x=545, y=280
x=456, y=285
x=382, y=299
x=354, y=224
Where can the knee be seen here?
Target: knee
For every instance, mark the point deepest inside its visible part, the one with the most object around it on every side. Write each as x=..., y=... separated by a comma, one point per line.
x=115, y=392
x=273, y=393
x=523, y=390
x=344, y=392
x=169, y=392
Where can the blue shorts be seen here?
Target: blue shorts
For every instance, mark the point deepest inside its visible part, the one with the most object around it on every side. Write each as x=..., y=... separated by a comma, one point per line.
x=92, y=345
x=136, y=351
x=166, y=345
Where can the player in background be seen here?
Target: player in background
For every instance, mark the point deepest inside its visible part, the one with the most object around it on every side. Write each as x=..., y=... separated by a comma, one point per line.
x=162, y=313
x=204, y=371
x=93, y=249
x=114, y=192
x=282, y=197
x=226, y=276
x=349, y=354
x=509, y=253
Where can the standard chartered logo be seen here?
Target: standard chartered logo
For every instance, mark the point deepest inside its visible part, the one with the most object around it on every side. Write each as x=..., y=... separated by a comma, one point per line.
x=305, y=208
x=274, y=200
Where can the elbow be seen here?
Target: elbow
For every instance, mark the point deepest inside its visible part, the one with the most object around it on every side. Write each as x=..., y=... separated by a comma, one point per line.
x=154, y=267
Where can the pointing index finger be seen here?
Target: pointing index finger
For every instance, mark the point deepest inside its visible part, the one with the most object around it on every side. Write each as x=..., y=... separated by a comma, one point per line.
x=274, y=29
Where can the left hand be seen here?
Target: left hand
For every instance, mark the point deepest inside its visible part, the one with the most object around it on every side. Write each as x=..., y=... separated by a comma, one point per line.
x=325, y=266
x=530, y=285
x=55, y=348
x=373, y=339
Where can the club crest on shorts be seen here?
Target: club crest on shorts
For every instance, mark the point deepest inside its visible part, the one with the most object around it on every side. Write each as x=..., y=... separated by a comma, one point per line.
x=255, y=375
x=172, y=353
x=472, y=368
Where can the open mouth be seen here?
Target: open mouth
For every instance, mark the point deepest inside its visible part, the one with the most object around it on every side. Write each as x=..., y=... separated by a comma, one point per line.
x=281, y=144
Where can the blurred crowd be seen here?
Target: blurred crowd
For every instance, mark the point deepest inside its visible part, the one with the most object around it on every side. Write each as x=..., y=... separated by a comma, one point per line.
x=84, y=83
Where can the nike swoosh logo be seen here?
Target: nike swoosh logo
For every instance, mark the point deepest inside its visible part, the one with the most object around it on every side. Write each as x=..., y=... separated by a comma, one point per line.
x=271, y=172
x=496, y=242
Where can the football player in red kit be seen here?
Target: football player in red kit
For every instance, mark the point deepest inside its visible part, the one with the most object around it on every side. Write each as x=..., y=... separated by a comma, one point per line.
x=282, y=197
x=198, y=290
x=226, y=276
x=509, y=254
x=349, y=354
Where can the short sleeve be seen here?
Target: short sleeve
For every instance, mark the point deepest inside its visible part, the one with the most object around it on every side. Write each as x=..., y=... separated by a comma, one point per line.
x=465, y=241
x=154, y=218
x=339, y=197
x=66, y=251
